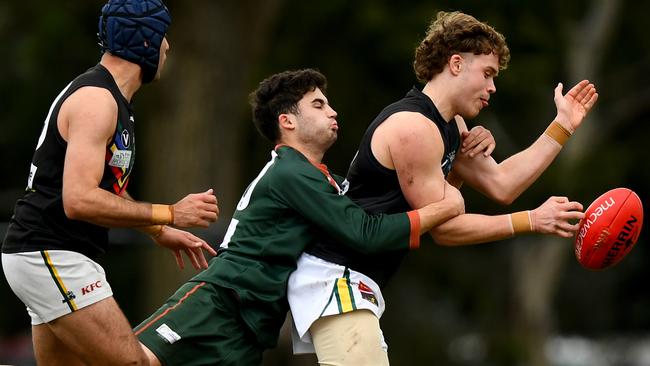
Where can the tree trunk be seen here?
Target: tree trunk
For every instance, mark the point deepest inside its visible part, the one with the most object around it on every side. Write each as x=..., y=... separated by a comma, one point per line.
x=193, y=141
x=538, y=263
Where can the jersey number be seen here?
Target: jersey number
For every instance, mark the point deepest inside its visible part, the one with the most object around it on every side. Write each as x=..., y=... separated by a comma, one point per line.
x=245, y=200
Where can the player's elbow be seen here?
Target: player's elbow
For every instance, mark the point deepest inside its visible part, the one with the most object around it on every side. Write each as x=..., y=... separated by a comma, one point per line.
x=440, y=238
x=498, y=188
x=501, y=194
x=504, y=199
x=74, y=206
x=72, y=210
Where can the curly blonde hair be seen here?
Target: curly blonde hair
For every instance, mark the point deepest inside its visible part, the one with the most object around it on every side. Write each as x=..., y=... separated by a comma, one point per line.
x=454, y=32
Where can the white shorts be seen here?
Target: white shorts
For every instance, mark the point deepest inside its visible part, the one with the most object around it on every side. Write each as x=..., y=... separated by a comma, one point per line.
x=319, y=288
x=53, y=283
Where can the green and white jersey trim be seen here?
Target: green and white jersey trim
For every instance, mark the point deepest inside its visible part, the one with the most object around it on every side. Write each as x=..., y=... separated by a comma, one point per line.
x=245, y=200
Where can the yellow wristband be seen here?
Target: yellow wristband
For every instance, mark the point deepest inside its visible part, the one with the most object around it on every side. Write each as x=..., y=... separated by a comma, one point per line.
x=153, y=230
x=521, y=222
x=162, y=214
x=557, y=132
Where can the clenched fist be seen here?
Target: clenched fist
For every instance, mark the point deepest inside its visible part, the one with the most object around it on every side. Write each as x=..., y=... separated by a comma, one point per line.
x=196, y=210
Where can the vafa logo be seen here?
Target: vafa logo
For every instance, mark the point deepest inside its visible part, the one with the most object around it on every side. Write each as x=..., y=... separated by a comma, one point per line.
x=125, y=138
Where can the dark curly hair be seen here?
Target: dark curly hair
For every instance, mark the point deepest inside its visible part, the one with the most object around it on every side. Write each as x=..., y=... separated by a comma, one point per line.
x=280, y=93
x=452, y=33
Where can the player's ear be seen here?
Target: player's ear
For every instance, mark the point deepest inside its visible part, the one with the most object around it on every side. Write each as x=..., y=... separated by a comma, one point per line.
x=455, y=64
x=286, y=121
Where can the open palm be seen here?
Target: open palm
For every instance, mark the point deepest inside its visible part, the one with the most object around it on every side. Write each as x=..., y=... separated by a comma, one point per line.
x=574, y=106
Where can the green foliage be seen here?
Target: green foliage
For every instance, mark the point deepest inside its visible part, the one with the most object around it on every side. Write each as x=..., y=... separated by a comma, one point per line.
x=44, y=47
x=365, y=48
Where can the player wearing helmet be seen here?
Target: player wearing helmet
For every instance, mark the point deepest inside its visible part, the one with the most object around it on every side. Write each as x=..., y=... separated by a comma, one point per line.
x=77, y=189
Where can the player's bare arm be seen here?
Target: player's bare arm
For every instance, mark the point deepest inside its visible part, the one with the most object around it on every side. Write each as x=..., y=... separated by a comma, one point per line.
x=505, y=181
x=405, y=143
x=430, y=215
x=412, y=146
x=178, y=240
x=555, y=216
x=86, y=121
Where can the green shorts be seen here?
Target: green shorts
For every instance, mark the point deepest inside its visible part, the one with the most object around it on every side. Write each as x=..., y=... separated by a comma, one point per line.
x=200, y=325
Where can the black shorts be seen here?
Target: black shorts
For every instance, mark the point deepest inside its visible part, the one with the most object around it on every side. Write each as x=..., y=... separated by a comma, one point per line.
x=200, y=325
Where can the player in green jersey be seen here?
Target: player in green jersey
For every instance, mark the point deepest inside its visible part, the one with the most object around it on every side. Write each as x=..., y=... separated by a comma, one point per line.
x=233, y=311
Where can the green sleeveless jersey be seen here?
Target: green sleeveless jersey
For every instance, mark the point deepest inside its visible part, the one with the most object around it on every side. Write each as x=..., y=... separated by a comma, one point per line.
x=289, y=205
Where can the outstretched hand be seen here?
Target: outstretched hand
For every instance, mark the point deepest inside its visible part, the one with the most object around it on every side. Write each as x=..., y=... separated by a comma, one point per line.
x=478, y=139
x=574, y=106
x=178, y=240
x=555, y=215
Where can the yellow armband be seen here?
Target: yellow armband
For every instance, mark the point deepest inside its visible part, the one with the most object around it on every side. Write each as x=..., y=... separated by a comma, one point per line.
x=521, y=222
x=162, y=214
x=557, y=132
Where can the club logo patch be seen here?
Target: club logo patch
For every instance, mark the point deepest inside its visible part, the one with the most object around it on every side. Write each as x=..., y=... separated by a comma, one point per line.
x=166, y=333
x=121, y=159
x=32, y=173
x=367, y=293
x=69, y=296
x=448, y=162
x=126, y=138
x=345, y=186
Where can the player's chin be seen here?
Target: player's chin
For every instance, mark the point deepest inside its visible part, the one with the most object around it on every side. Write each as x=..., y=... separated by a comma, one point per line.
x=476, y=110
x=471, y=110
x=471, y=113
x=331, y=140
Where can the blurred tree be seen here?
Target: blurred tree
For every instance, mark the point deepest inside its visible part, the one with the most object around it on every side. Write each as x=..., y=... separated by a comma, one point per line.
x=538, y=265
x=194, y=132
x=43, y=47
x=481, y=305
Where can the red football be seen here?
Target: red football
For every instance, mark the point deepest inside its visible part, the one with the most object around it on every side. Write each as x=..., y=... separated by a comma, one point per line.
x=609, y=230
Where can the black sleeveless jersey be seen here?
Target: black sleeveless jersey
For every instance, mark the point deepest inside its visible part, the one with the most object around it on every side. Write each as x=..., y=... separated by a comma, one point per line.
x=376, y=188
x=39, y=222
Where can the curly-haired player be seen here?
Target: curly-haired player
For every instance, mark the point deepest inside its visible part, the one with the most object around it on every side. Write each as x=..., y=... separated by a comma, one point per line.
x=407, y=155
x=231, y=312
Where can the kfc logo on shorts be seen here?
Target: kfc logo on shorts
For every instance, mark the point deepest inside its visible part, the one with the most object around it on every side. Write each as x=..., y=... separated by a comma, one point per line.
x=91, y=287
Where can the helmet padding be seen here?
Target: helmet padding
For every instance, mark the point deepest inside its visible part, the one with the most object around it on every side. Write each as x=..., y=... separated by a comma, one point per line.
x=134, y=30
